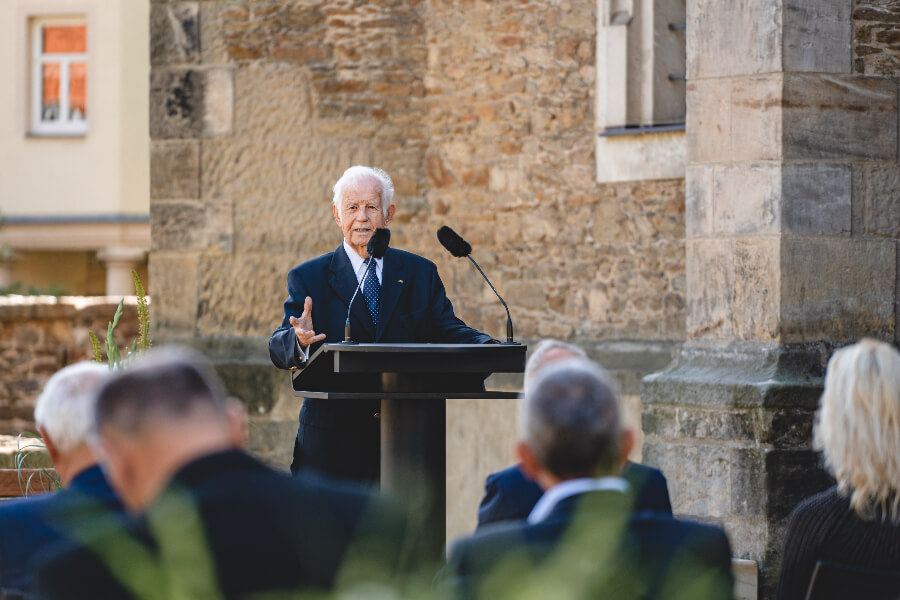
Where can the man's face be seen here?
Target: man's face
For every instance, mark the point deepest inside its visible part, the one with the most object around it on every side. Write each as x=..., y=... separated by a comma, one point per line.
x=360, y=213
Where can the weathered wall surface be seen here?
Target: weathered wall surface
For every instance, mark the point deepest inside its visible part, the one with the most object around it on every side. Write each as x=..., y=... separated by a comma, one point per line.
x=38, y=336
x=483, y=115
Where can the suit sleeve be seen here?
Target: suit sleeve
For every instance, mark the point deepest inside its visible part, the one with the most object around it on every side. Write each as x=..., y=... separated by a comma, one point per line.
x=448, y=328
x=283, y=347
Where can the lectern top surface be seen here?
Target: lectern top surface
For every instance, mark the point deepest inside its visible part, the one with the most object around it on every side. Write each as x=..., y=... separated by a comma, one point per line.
x=443, y=348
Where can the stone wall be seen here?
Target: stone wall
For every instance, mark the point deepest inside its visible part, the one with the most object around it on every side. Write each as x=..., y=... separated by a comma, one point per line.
x=41, y=334
x=482, y=112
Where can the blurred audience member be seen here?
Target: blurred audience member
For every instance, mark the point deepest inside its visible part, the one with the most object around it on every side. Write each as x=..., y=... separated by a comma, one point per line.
x=510, y=495
x=215, y=523
x=582, y=539
x=64, y=414
x=856, y=522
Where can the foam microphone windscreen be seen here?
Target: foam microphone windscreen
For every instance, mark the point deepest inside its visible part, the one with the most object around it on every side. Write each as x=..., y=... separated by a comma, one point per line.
x=453, y=242
x=379, y=242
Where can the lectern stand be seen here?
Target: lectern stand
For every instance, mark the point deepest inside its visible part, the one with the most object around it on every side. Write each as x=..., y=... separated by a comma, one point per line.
x=413, y=382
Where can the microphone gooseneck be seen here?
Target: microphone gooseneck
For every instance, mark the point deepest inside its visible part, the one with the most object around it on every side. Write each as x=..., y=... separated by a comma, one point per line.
x=458, y=247
x=376, y=248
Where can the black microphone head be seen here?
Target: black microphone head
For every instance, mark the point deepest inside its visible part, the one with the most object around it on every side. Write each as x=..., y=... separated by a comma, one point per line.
x=453, y=242
x=379, y=242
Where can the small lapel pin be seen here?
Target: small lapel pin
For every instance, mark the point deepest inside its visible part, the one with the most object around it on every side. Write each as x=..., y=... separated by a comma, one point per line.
x=399, y=281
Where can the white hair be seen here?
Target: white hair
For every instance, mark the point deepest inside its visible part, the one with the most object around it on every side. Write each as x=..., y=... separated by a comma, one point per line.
x=65, y=409
x=354, y=175
x=858, y=427
x=540, y=357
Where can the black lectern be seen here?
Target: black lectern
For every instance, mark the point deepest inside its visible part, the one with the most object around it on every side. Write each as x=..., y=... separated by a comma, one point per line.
x=413, y=382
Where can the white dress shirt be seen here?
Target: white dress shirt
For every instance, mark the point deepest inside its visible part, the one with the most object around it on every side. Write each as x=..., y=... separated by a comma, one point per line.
x=573, y=487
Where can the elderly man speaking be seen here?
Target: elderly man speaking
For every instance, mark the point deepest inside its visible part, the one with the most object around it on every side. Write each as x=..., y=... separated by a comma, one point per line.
x=402, y=299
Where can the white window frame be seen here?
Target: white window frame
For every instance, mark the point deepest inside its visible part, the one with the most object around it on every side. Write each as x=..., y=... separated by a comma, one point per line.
x=64, y=125
x=631, y=149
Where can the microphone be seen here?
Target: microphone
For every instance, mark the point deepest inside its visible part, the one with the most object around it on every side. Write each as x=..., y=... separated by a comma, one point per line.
x=378, y=243
x=460, y=248
x=376, y=248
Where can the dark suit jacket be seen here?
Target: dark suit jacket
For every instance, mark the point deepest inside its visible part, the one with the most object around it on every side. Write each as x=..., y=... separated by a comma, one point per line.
x=594, y=545
x=509, y=495
x=414, y=305
x=251, y=528
x=342, y=439
x=29, y=525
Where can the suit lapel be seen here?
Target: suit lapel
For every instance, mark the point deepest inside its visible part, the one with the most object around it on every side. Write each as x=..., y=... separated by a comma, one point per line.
x=394, y=278
x=343, y=281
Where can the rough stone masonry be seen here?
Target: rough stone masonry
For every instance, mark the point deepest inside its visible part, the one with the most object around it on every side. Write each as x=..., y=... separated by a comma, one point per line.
x=482, y=112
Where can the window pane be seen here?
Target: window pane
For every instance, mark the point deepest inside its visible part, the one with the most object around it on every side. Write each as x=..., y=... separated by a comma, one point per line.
x=65, y=38
x=77, y=91
x=50, y=92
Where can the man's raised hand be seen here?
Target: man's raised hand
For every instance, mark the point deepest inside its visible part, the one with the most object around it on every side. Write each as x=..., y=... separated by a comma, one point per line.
x=303, y=326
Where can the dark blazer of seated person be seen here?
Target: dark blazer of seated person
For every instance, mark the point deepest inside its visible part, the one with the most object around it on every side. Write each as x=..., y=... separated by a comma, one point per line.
x=596, y=546
x=256, y=531
x=510, y=495
x=28, y=525
x=583, y=538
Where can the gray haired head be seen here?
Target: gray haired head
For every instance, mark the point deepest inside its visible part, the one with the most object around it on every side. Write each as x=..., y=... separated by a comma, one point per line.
x=163, y=385
x=571, y=421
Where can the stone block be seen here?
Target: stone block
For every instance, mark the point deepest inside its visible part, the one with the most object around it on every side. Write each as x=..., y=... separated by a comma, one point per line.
x=816, y=199
x=206, y=226
x=272, y=441
x=190, y=103
x=173, y=287
x=792, y=476
x=816, y=36
x=757, y=113
x=699, y=476
x=881, y=200
x=177, y=226
x=839, y=116
x=733, y=38
x=174, y=33
x=836, y=289
x=756, y=296
x=710, y=288
x=698, y=200
x=255, y=385
x=747, y=198
x=708, y=120
x=225, y=292
x=716, y=373
x=174, y=170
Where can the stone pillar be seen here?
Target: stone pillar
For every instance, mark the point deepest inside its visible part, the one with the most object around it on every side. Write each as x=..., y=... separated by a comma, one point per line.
x=790, y=155
x=120, y=262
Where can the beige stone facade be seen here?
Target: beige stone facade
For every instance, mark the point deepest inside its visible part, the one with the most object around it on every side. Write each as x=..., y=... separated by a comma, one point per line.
x=484, y=115
x=75, y=203
x=780, y=241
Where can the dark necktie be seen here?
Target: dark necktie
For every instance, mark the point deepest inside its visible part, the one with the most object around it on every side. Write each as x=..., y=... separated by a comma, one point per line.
x=372, y=291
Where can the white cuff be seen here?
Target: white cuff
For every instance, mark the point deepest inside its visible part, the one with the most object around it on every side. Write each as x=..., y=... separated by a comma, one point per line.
x=304, y=354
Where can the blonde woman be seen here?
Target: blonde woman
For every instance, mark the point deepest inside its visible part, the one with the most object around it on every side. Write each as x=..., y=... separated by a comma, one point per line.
x=856, y=522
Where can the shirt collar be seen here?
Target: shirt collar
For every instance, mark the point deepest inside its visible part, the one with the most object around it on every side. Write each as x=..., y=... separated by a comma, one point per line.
x=573, y=487
x=356, y=261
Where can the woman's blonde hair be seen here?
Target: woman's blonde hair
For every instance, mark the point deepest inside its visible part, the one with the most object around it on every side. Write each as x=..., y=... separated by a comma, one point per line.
x=858, y=427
